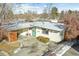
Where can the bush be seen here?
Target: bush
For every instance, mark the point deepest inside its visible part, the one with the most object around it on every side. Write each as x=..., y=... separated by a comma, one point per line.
x=43, y=39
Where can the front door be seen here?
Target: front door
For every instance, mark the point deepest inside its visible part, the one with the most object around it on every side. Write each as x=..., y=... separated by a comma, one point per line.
x=34, y=31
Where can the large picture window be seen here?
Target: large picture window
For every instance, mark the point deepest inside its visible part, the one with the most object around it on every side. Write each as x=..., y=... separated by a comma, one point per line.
x=45, y=31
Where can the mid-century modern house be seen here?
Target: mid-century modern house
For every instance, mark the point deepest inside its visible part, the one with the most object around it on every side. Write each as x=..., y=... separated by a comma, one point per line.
x=54, y=31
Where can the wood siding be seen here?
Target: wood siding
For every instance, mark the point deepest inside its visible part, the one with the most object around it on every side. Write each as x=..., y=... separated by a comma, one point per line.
x=12, y=36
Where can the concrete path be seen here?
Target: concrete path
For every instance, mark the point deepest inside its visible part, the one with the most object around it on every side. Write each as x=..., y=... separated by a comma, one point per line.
x=60, y=49
x=66, y=46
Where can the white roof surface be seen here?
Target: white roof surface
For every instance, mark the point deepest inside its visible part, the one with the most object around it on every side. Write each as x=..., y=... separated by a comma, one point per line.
x=47, y=25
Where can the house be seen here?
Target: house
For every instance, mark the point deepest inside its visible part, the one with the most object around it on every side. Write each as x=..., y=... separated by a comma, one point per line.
x=54, y=31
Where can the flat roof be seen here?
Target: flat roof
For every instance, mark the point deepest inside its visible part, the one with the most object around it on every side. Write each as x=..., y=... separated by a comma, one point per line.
x=47, y=25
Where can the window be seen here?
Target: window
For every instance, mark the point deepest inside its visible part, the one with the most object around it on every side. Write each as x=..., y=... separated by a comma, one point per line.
x=44, y=31
x=54, y=31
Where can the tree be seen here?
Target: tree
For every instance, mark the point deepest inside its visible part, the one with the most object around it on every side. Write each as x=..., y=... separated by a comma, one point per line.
x=71, y=22
x=6, y=12
x=54, y=13
x=70, y=11
x=61, y=15
x=9, y=15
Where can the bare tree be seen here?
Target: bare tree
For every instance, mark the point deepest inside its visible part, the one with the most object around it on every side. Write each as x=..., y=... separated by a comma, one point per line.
x=6, y=10
x=71, y=21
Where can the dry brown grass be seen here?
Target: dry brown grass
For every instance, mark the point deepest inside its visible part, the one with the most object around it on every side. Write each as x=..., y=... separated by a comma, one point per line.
x=9, y=47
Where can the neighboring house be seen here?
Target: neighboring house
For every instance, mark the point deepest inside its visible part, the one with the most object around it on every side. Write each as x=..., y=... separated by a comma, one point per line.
x=54, y=31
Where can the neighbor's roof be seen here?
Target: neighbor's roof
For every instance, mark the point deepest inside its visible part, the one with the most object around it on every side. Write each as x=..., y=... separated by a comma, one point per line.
x=47, y=25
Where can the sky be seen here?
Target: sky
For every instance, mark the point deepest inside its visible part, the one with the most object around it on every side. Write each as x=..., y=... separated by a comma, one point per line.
x=39, y=7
